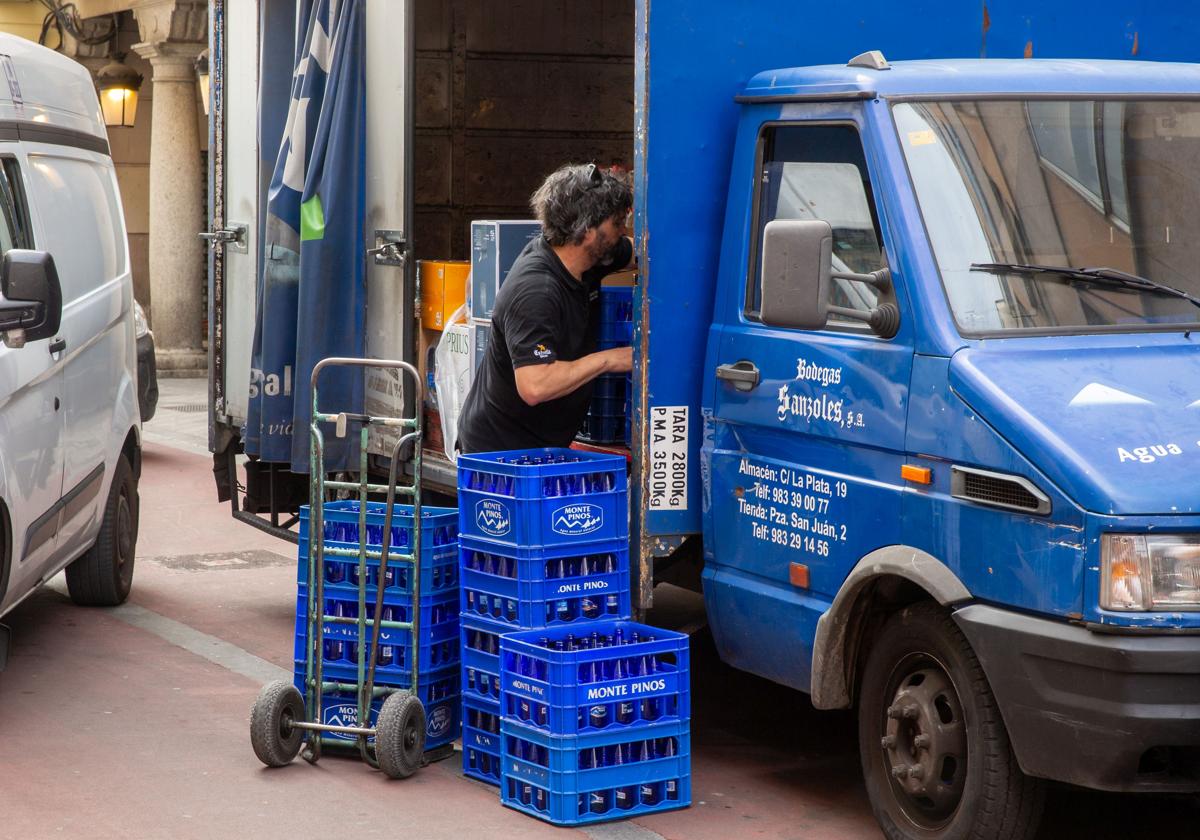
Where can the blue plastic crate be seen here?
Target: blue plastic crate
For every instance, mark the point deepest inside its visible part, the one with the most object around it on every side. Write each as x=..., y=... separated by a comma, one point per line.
x=479, y=652
x=609, y=385
x=439, y=570
x=584, y=779
x=601, y=429
x=438, y=692
x=601, y=686
x=438, y=539
x=481, y=740
x=620, y=332
x=522, y=588
x=542, y=497
x=607, y=406
x=629, y=408
x=439, y=631
x=616, y=304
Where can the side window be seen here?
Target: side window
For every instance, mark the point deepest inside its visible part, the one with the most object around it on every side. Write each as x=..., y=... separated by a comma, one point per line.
x=86, y=232
x=14, y=214
x=820, y=172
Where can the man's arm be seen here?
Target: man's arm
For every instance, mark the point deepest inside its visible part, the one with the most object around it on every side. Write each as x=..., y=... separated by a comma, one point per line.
x=542, y=383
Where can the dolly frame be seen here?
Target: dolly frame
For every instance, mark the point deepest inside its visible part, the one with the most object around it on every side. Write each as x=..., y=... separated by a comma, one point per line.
x=412, y=429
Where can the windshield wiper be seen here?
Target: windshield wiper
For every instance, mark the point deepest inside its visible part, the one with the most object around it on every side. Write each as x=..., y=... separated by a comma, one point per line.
x=1102, y=275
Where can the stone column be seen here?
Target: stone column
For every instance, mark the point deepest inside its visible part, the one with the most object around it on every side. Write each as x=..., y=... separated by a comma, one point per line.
x=176, y=194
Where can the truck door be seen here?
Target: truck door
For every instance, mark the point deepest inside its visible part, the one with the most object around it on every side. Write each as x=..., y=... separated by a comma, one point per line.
x=233, y=224
x=808, y=426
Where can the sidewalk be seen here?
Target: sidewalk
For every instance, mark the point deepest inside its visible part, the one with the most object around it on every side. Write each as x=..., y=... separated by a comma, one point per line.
x=181, y=420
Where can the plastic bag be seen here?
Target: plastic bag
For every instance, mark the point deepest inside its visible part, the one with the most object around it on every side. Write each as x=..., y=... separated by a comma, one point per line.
x=452, y=376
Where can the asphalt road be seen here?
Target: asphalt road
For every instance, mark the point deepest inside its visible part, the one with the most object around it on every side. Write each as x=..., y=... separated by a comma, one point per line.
x=133, y=722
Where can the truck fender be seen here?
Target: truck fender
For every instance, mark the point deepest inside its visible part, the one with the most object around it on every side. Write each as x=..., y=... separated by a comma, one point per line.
x=833, y=655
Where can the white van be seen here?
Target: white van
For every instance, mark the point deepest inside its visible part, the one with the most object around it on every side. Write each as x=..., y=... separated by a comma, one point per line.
x=70, y=435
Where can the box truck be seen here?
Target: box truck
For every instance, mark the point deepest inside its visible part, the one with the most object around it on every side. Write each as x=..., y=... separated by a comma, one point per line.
x=916, y=398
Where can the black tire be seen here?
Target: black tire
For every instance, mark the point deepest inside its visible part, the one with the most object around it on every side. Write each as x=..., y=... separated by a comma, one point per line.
x=103, y=575
x=936, y=757
x=276, y=742
x=400, y=735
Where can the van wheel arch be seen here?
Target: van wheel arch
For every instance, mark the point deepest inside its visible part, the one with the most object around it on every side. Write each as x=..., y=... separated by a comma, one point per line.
x=5, y=549
x=881, y=583
x=132, y=450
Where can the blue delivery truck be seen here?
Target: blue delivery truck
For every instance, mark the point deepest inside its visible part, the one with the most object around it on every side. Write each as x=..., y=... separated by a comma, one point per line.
x=951, y=423
x=917, y=354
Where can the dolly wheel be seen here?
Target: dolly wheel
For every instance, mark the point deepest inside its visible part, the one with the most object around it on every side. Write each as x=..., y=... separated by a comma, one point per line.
x=272, y=735
x=400, y=735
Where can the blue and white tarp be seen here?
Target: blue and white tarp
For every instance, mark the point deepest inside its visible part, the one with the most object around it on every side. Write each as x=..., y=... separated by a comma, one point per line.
x=311, y=290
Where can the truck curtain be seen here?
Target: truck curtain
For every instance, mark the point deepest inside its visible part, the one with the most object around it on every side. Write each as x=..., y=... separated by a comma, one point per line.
x=311, y=279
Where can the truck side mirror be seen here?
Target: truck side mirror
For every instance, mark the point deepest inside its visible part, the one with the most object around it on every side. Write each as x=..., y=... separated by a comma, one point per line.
x=796, y=267
x=30, y=297
x=797, y=270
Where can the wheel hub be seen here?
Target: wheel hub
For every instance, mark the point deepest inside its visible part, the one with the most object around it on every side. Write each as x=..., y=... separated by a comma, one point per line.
x=925, y=745
x=124, y=530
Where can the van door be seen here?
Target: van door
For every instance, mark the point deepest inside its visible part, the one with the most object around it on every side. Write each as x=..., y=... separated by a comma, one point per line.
x=31, y=420
x=807, y=452
x=82, y=226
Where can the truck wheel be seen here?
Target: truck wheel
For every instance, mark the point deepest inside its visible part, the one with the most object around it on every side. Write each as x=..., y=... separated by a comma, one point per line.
x=936, y=756
x=102, y=576
x=272, y=735
x=400, y=735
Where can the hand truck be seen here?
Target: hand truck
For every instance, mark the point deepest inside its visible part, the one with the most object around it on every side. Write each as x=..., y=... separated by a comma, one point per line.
x=282, y=720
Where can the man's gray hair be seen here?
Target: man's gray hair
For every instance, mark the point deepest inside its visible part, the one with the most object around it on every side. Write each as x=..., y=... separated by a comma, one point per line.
x=576, y=198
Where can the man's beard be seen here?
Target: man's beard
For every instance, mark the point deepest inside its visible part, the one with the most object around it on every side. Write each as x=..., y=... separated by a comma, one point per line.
x=601, y=250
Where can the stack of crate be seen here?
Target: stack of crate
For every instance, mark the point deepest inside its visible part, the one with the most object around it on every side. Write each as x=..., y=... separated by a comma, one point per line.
x=606, y=418
x=544, y=544
x=594, y=722
x=437, y=650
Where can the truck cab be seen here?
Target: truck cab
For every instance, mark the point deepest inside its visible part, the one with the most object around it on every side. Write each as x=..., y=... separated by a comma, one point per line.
x=952, y=421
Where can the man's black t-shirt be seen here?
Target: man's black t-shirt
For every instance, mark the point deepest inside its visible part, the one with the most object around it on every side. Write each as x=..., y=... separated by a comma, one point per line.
x=542, y=314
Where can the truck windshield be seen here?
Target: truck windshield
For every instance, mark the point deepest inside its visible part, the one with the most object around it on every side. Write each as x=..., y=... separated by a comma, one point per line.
x=1059, y=183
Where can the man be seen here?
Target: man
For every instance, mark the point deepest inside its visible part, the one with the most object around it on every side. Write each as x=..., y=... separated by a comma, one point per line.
x=534, y=384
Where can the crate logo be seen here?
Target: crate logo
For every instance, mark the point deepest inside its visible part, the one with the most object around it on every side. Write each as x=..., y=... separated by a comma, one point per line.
x=579, y=588
x=344, y=715
x=535, y=690
x=612, y=692
x=577, y=520
x=341, y=715
x=493, y=517
x=439, y=722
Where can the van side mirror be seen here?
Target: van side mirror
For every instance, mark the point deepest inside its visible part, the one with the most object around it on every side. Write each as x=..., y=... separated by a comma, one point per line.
x=797, y=270
x=796, y=265
x=30, y=297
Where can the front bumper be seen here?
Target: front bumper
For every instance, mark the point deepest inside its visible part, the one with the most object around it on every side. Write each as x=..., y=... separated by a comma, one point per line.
x=1110, y=712
x=147, y=373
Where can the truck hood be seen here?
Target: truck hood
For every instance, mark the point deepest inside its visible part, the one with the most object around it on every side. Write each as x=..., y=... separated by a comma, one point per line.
x=1116, y=427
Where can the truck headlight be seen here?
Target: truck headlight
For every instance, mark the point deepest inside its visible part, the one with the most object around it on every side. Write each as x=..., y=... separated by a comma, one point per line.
x=140, y=326
x=1150, y=572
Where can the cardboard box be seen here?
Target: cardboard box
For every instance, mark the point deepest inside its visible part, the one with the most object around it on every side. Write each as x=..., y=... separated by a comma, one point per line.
x=481, y=333
x=628, y=277
x=443, y=290
x=495, y=246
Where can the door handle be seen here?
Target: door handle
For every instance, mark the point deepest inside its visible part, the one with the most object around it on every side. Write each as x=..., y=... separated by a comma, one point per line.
x=58, y=345
x=742, y=375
